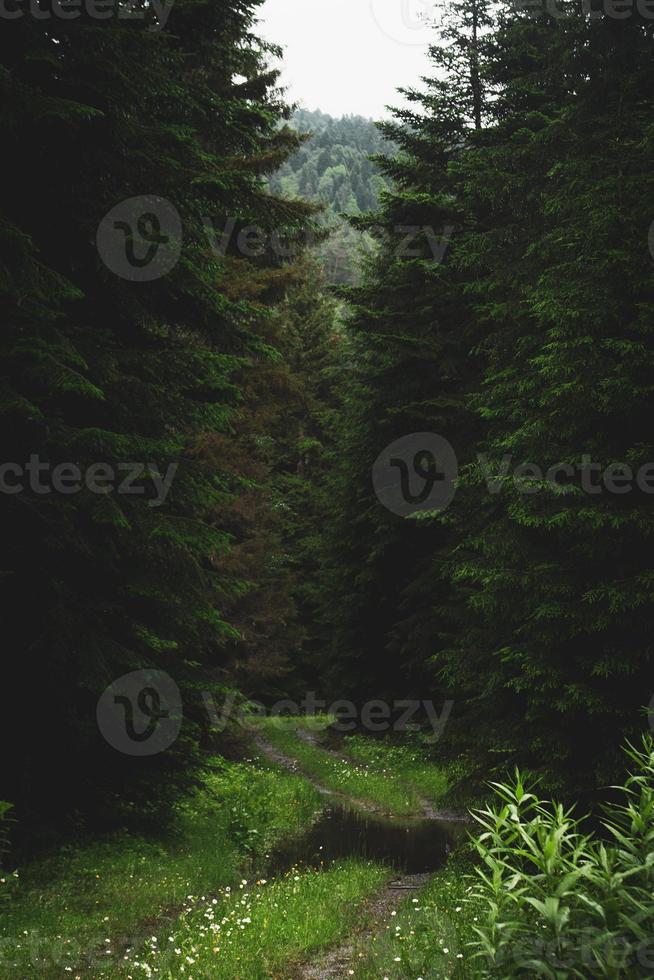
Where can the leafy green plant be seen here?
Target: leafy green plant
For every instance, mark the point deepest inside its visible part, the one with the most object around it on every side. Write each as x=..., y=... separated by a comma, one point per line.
x=560, y=902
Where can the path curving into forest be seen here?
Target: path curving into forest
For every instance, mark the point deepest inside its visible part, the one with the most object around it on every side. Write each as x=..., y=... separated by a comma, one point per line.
x=414, y=845
x=428, y=812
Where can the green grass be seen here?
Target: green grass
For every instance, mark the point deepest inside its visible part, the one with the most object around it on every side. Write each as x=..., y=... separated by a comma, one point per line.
x=396, y=760
x=259, y=929
x=68, y=905
x=429, y=933
x=391, y=776
x=109, y=907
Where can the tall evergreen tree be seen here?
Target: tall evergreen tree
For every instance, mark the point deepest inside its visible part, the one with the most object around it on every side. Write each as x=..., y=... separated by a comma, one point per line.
x=101, y=369
x=529, y=599
x=561, y=575
x=411, y=334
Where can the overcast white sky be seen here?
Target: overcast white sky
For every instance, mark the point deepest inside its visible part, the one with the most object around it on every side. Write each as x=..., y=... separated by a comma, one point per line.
x=349, y=56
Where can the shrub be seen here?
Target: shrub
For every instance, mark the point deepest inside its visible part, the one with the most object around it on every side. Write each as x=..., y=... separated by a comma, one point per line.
x=563, y=903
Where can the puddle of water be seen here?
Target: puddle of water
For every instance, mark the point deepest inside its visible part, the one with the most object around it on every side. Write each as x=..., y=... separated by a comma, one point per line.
x=413, y=847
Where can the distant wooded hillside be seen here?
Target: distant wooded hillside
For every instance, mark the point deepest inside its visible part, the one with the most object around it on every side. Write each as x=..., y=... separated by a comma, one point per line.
x=334, y=167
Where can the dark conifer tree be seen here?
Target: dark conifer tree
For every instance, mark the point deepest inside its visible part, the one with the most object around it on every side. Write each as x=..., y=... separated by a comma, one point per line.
x=411, y=367
x=100, y=369
x=529, y=339
x=561, y=575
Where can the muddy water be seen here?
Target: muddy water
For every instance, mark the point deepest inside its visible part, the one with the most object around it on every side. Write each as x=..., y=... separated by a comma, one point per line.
x=411, y=847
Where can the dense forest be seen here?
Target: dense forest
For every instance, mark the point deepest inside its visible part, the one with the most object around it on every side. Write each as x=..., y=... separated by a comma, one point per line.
x=334, y=166
x=326, y=500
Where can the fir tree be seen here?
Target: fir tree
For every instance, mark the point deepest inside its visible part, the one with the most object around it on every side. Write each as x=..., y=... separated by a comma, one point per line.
x=101, y=369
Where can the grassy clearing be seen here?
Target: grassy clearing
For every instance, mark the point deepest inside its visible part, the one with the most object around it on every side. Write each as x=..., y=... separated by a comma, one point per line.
x=393, y=777
x=428, y=935
x=258, y=930
x=101, y=895
x=404, y=761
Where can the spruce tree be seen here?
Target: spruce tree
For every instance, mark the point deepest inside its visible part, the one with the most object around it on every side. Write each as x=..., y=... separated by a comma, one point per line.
x=561, y=572
x=101, y=369
x=412, y=334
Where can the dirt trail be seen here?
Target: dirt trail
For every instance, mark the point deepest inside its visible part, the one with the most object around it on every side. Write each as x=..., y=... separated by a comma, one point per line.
x=336, y=962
